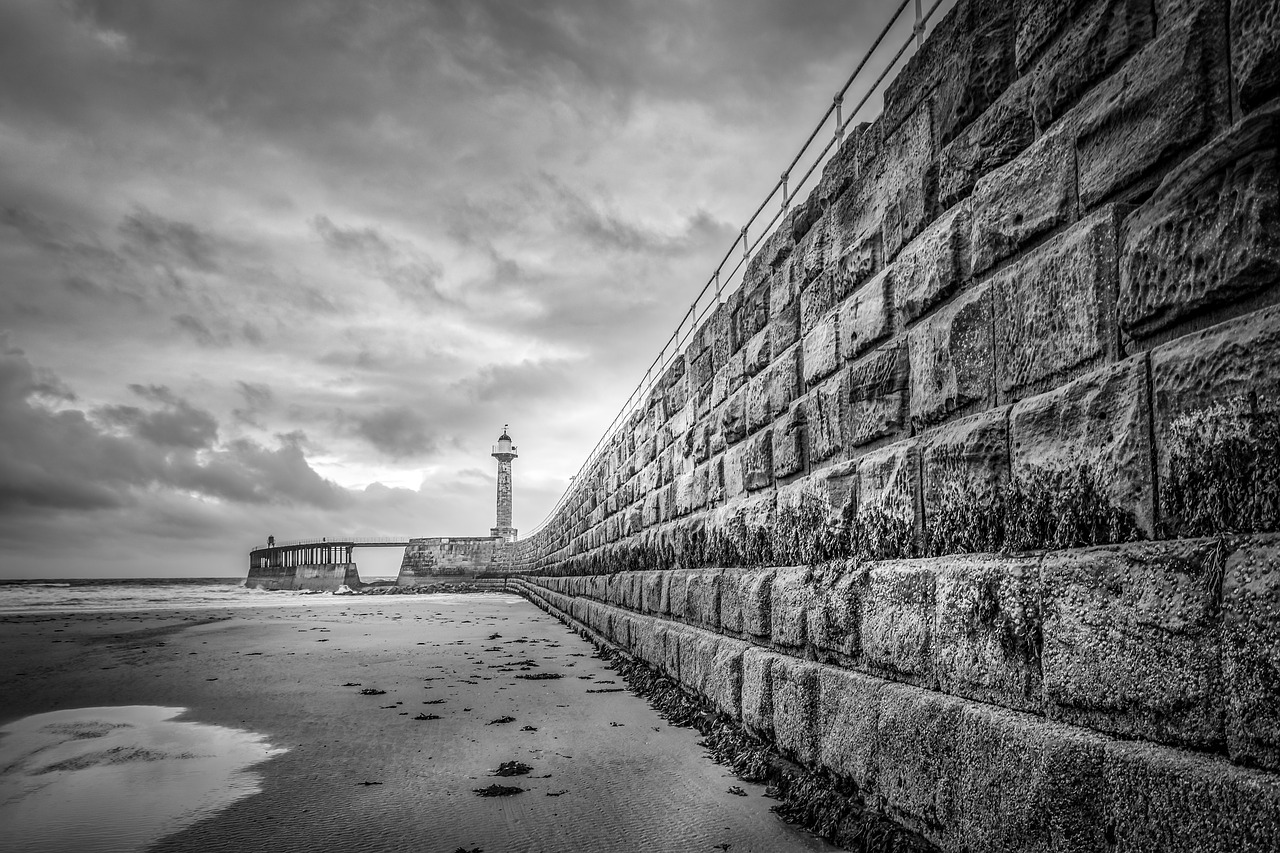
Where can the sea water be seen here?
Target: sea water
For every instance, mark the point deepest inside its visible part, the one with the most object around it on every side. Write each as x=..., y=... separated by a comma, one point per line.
x=132, y=594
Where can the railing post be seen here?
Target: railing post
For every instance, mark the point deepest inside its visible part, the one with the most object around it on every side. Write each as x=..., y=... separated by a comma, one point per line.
x=785, y=177
x=918, y=29
x=745, y=251
x=719, y=300
x=839, y=121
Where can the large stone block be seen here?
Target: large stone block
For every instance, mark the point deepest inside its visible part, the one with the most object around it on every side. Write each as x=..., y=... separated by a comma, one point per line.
x=864, y=316
x=909, y=181
x=965, y=64
x=986, y=632
x=1161, y=800
x=784, y=328
x=1251, y=652
x=795, y=709
x=951, y=359
x=834, y=614
x=848, y=713
x=932, y=266
x=1217, y=402
x=815, y=301
x=735, y=482
x=889, y=482
x=897, y=620
x=757, y=353
x=704, y=598
x=1103, y=36
x=697, y=651
x=993, y=139
x=825, y=416
x=757, y=461
x=757, y=691
x=788, y=442
x=963, y=466
x=724, y=688
x=1021, y=784
x=878, y=394
x=856, y=265
x=1055, y=309
x=1024, y=199
x=1255, y=51
x=916, y=756
x=1160, y=104
x=1132, y=641
x=791, y=598
x=756, y=600
x=1096, y=430
x=770, y=393
x=1211, y=232
x=822, y=349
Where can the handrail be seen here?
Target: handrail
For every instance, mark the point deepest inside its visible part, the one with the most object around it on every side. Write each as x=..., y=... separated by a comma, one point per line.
x=673, y=343
x=355, y=541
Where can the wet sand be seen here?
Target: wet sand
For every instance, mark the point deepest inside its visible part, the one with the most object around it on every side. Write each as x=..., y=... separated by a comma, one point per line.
x=607, y=772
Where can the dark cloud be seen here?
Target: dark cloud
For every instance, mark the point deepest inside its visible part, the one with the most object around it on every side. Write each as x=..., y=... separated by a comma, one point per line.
x=157, y=239
x=410, y=274
x=176, y=424
x=397, y=431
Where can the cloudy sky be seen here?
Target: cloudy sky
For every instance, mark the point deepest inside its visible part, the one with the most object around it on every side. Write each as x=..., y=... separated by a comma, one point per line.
x=288, y=267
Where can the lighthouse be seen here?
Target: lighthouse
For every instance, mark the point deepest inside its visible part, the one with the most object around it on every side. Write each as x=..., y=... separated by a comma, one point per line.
x=504, y=451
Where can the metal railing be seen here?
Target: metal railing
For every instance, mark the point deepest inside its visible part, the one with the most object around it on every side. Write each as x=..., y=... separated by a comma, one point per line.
x=719, y=283
x=355, y=541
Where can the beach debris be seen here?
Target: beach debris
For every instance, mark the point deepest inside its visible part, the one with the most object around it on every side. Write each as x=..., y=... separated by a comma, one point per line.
x=494, y=636
x=352, y=684
x=737, y=792
x=559, y=793
x=372, y=691
x=498, y=791
x=512, y=768
x=724, y=846
x=540, y=676
x=499, y=721
x=386, y=707
x=608, y=690
x=472, y=850
x=434, y=701
x=427, y=717
x=528, y=728
x=616, y=725
x=367, y=784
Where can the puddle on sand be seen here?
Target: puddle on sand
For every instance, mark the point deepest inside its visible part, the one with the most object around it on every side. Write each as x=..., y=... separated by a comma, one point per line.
x=117, y=779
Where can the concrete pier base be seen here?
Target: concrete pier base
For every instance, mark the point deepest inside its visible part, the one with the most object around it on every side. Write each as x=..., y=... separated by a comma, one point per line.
x=324, y=577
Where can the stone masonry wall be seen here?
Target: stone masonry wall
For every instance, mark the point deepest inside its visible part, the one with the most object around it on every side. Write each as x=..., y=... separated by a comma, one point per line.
x=969, y=493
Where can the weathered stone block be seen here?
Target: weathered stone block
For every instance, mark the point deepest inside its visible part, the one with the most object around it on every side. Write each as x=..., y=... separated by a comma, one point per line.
x=822, y=349
x=795, y=709
x=932, y=266
x=735, y=471
x=812, y=255
x=888, y=482
x=757, y=353
x=724, y=687
x=966, y=63
x=1020, y=783
x=704, y=598
x=1255, y=51
x=986, y=632
x=815, y=301
x=756, y=598
x=951, y=359
x=791, y=597
x=678, y=594
x=963, y=466
x=697, y=650
x=915, y=755
x=788, y=442
x=757, y=691
x=825, y=414
x=753, y=314
x=784, y=328
x=1105, y=34
x=833, y=617
x=864, y=319
x=1251, y=652
x=769, y=394
x=1215, y=394
x=993, y=139
x=878, y=394
x=909, y=182
x=684, y=494
x=733, y=417
x=1131, y=641
x=757, y=461
x=1024, y=199
x=855, y=265
x=1160, y=799
x=1211, y=232
x=897, y=620
x=848, y=712
x=1055, y=308
x=1098, y=427
x=1163, y=102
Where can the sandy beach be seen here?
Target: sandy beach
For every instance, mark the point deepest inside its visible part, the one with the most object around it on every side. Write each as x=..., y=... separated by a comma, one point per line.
x=607, y=773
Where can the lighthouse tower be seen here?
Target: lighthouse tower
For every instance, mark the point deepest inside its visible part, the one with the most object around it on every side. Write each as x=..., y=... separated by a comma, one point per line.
x=504, y=451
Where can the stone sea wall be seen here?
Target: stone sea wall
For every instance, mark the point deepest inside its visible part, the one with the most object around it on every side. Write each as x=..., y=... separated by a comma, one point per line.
x=434, y=557
x=970, y=493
